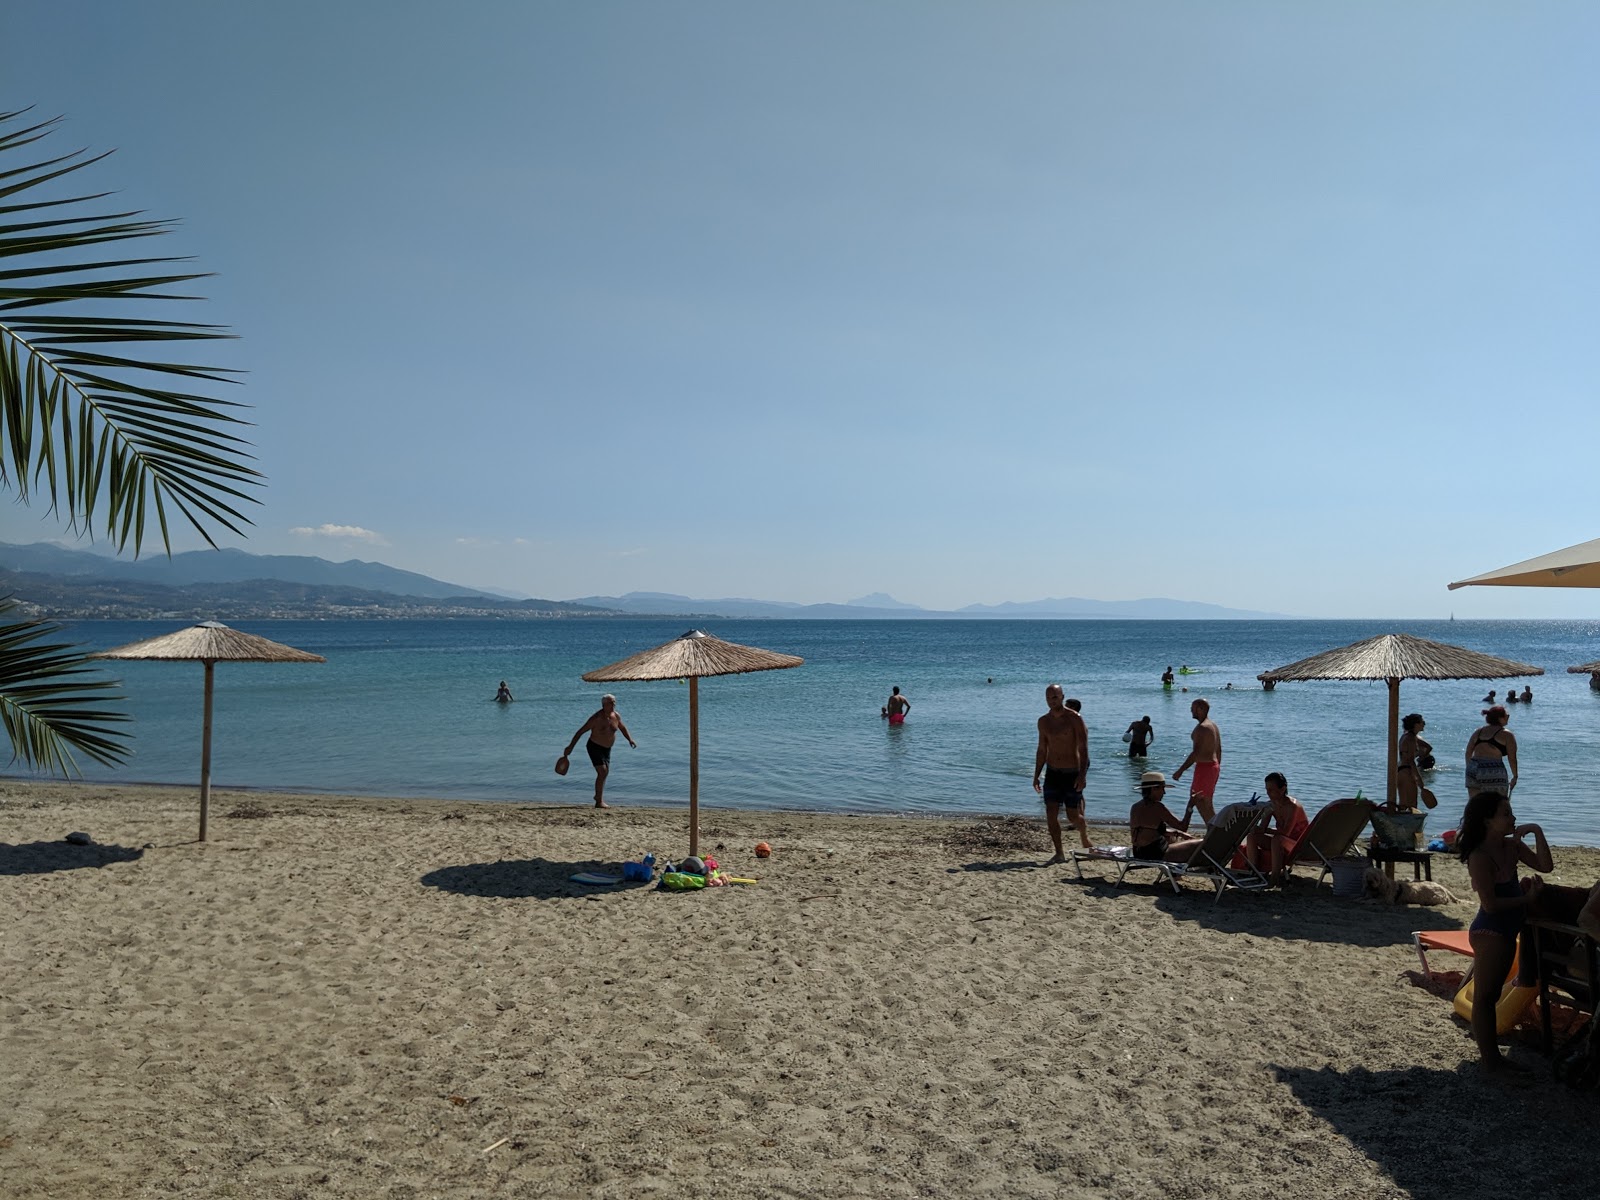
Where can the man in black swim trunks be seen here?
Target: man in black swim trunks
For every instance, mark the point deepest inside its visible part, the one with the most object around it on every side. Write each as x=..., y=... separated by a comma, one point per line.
x=602, y=729
x=1140, y=734
x=1063, y=759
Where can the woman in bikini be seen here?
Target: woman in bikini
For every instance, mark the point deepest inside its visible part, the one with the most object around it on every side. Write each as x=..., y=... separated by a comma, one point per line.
x=1490, y=843
x=1150, y=819
x=1412, y=748
x=1490, y=751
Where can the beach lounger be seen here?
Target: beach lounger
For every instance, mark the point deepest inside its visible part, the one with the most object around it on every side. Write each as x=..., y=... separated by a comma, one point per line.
x=1122, y=858
x=1333, y=831
x=1212, y=860
x=1452, y=941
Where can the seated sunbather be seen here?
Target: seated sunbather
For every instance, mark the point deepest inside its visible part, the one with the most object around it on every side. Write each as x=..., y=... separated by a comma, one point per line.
x=1150, y=821
x=1271, y=844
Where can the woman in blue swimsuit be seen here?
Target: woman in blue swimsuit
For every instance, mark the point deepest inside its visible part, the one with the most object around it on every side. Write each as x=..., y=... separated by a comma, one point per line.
x=1490, y=843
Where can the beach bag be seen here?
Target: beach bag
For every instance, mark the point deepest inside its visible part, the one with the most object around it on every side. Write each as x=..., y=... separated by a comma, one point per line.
x=682, y=881
x=1398, y=830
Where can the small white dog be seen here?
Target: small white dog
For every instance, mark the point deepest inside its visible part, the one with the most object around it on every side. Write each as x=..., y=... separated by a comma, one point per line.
x=1407, y=891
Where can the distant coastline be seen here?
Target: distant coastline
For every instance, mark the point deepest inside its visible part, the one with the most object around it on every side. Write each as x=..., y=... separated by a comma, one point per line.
x=56, y=581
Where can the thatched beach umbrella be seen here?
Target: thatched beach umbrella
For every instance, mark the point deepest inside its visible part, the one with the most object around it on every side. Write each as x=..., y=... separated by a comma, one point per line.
x=1576, y=566
x=209, y=642
x=689, y=657
x=1393, y=657
x=1592, y=670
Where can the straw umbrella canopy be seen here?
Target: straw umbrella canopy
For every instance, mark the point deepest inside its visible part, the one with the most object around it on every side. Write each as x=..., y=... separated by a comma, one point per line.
x=1576, y=566
x=1395, y=656
x=1591, y=669
x=209, y=642
x=689, y=657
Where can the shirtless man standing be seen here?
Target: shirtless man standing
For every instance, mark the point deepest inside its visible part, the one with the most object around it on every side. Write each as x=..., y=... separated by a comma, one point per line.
x=602, y=729
x=1206, y=758
x=1063, y=760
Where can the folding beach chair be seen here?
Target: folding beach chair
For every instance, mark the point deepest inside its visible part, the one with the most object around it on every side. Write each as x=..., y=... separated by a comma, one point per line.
x=1122, y=858
x=1332, y=832
x=1212, y=859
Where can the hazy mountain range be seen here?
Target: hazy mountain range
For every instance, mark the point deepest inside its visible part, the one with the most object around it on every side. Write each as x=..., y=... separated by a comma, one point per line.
x=61, y=581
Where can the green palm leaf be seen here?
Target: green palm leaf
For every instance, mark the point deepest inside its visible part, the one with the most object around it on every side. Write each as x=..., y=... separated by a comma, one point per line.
x=91, y=422
x=52, y=701
x=100, y=418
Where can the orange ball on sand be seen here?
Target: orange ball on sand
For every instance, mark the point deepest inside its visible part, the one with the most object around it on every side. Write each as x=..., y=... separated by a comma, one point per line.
x=763, y=850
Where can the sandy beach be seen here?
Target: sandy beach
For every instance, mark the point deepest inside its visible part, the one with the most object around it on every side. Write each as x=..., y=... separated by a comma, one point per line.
x=342, y=997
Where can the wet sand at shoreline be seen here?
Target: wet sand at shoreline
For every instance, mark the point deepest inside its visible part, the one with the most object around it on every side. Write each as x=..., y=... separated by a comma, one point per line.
x=340, y=997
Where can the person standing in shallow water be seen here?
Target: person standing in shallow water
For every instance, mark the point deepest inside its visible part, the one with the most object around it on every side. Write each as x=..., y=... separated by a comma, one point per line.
x=1140, y=734
x=1063, y=760
x=1408, y=776
x=1492, y=755
x=602, y=729
x=897, y=707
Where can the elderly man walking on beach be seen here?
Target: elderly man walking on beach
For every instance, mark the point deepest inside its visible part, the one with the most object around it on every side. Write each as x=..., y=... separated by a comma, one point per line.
x=1063, y=759
x=602, y=729
x=1206, y=759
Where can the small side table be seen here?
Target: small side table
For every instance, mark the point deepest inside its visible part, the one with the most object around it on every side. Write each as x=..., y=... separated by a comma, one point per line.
x=1421, y=861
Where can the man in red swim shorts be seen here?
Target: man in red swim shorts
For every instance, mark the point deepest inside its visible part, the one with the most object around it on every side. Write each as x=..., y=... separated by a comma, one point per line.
x=1206, y=759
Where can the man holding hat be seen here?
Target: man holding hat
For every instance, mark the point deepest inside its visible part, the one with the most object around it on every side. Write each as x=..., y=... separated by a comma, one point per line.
x=1150, y=819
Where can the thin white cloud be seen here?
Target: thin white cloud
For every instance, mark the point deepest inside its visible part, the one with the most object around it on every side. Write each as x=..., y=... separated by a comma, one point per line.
x=344, y=533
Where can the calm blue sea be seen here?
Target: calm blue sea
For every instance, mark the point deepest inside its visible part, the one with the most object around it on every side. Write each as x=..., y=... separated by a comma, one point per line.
x=404, y=708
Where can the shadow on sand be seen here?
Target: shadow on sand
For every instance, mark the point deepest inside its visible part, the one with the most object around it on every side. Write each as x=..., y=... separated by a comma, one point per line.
x=1300, y=915
x=1015, y=864
x=526, y=878
x=1302, y=912
x=1535, y=1139
x=40, y=858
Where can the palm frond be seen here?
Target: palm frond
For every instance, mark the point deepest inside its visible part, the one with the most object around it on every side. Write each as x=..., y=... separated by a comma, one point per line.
x=52, y=700
x=90, y=418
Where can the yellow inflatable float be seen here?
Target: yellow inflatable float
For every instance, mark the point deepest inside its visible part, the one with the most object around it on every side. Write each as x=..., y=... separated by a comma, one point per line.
x=1508, y=1010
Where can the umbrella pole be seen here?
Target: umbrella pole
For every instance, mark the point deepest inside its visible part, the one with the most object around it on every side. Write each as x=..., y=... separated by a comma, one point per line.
x=1394, y=739
x=205, y=754
x=694, y=765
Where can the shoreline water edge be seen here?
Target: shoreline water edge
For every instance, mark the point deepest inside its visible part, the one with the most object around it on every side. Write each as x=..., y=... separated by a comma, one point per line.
x=406, y=709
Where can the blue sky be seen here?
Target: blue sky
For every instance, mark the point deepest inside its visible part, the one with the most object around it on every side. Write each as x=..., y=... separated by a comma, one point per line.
x=1277, y=306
